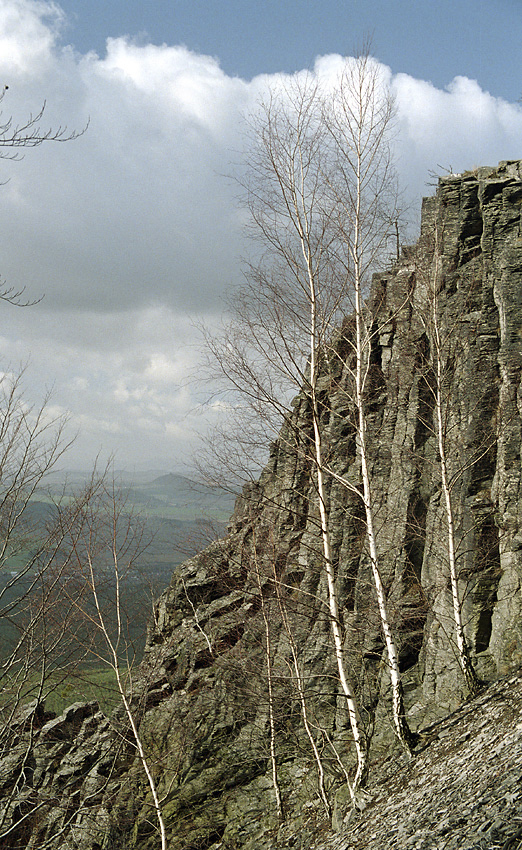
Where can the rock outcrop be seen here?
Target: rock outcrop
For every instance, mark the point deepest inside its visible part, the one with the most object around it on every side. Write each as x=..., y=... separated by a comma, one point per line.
x=219, y=657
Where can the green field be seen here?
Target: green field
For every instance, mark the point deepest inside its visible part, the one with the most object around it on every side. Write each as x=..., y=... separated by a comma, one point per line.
x=84, y=684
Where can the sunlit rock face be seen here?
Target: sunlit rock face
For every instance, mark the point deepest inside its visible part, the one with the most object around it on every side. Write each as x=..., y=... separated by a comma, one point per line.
x=236, y=620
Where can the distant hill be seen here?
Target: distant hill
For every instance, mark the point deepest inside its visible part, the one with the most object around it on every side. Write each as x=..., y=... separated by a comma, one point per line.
x=169, y=495
x=172, y=480
x=180, y=482
x=180, y=516
x=174, y=496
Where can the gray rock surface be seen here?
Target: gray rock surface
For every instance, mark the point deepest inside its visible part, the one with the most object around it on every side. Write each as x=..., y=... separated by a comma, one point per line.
x=461, y=792
x=202, y=695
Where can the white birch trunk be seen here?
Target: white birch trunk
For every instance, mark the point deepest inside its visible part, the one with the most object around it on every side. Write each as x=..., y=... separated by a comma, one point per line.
x=353, y=711
x=268, y=658
x=115, y=664
x=302, y=700
x=465, y=661
x=362, y=352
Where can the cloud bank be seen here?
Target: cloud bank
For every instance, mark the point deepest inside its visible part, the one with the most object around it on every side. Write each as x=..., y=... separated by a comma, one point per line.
x=133, y=229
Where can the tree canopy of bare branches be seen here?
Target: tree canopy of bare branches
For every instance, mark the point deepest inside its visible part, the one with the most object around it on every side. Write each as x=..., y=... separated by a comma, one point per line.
x=30, y=133
x=322, y=198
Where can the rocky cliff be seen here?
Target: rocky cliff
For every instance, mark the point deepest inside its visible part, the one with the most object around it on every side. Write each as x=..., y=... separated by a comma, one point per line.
x=216, y=695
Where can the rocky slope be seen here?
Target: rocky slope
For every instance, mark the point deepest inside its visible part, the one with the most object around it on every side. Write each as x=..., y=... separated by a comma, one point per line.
x=205, y=691
x=461, y=792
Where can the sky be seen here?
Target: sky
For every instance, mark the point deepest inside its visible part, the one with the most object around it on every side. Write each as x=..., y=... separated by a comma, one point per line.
x=133, y=233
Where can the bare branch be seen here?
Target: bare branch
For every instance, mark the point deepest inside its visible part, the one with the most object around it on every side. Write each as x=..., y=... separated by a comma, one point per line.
x=29, y=134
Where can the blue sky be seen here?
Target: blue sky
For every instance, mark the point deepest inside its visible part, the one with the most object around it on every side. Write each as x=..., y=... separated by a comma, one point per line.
x=435, y=41
x=133, y=231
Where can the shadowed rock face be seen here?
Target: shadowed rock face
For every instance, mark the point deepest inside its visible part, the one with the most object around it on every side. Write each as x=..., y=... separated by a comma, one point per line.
x=202, y=693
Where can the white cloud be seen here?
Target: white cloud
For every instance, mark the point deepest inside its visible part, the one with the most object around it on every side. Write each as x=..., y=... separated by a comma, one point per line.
x=192, y=87
x=459, y=127
x=133, y=229
x=28, y=32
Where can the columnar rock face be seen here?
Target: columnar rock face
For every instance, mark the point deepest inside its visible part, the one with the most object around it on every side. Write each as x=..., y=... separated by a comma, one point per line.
x=217, y=695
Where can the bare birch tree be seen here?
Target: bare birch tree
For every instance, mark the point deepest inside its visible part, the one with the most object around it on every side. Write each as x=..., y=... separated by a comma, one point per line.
x=68, y=612
x=298, y=295
x=320, y=191
x=359, y=120
x=31, y=444
x=105, y=546
x=37, y=626
x=444, y=345
x=269, y=652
